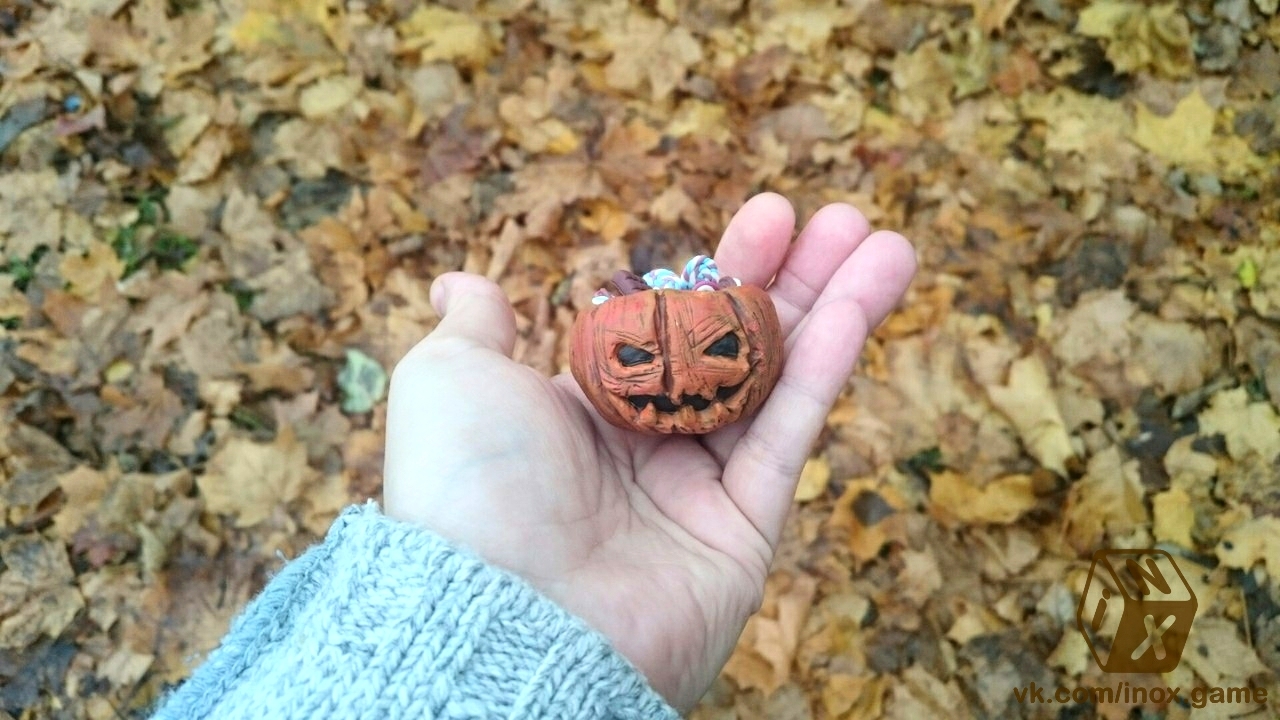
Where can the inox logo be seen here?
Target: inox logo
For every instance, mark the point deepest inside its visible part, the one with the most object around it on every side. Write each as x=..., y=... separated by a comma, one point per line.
x=1141, y=600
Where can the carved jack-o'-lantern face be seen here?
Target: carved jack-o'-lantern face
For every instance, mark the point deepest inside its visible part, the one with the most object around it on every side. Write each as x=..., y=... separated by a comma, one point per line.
x=678, y=361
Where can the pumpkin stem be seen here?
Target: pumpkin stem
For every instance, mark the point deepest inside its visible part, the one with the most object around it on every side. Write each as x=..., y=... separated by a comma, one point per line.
x=626, y=282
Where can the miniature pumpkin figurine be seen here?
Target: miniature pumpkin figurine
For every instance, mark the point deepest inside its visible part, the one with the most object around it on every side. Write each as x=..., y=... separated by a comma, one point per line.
x=671, y=353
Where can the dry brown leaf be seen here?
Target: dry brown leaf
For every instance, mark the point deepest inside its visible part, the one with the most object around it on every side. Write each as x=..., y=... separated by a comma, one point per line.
x=647, y=49
x=1176, y=356
x=841, y=692
x=38, y=595
x=1187, y=467
x=203, y=160
x=324, y=501
x=193, y=110
x=339, y=257
x=972, y=622
x=872, y=517
x=921, y=695
x=251, y=481
x=991, y=15
x=438, y=33
x=768, y=644
x=605, y=219
x=920, y=577
x=1187, y=138
x=924, y=82
x=1107, y=501
x=310, y=150
x=1072, y=653
x=1249, y=427
x=125, y=667
x=85, y=274
x=84, y=488
x=1093, y=341
x=529, y=119
x=278, y=367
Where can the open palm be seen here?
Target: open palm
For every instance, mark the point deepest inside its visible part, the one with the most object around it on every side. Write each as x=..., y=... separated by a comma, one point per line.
x=661, y=543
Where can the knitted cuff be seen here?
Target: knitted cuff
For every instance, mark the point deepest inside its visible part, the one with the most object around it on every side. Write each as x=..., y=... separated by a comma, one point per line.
x=387, y=620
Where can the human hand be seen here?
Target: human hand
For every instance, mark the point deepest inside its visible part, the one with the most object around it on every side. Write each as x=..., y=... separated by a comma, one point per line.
x=660, y=543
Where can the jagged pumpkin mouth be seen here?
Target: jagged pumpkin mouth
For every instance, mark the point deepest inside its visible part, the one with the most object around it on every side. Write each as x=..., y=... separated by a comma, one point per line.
x=665, y=404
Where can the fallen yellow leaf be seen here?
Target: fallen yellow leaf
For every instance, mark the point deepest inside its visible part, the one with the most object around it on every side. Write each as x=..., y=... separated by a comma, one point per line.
x=256, y=28
x=1028, y=401
x=1248, y=427
x=1141, y=36
x=1184, y=137
x=86, y=273
x=952, y=499
x=438, y=33
x=328, y=95
x=813, y=479
x=1250, y=542
x=1174, y=517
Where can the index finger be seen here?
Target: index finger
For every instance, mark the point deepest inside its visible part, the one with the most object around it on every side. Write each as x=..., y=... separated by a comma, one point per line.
x=756, y=239
x=763, y=456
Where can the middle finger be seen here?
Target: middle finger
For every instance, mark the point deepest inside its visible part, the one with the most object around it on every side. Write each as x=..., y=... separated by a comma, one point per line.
x=830, y=237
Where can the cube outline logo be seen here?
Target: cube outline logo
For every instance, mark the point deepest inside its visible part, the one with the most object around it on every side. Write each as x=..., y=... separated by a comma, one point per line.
x=1147, y=600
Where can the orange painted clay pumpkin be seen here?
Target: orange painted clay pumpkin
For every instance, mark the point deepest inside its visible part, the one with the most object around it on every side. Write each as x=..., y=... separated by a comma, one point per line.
x=677, y=361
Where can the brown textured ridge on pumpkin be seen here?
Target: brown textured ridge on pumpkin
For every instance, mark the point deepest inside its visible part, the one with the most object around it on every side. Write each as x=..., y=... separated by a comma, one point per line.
x=677, y=361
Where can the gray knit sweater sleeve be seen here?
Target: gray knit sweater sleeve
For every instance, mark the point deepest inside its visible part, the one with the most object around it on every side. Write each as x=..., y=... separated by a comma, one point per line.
x=386, y=620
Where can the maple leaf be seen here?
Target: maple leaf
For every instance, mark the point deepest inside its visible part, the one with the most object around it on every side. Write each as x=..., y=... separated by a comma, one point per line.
x=1186, y=137
x=1028, y=401
x=1141, y=36
x=1218, y=655
x=250, y=480
x=768, y=644
x=1107, y=501
x=647, y=49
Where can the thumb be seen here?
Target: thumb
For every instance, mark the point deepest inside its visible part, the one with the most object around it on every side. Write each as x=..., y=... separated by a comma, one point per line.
x=474, y=310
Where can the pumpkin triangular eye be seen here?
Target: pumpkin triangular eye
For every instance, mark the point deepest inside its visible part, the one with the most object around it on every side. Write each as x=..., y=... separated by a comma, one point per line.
x=630, y=355
x=725, y=347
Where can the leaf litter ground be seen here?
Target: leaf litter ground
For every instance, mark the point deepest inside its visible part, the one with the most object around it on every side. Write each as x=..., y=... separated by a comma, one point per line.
x=219, y=222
